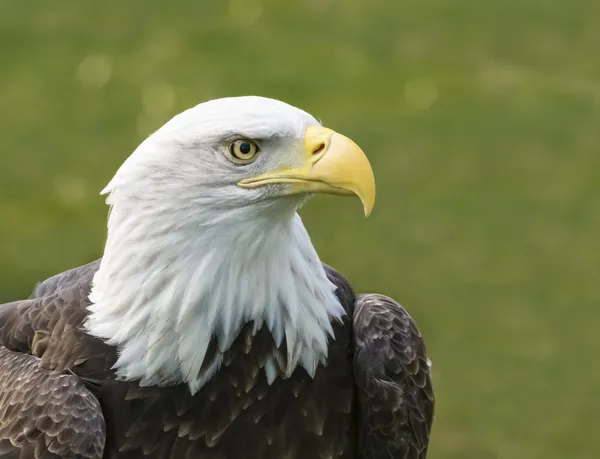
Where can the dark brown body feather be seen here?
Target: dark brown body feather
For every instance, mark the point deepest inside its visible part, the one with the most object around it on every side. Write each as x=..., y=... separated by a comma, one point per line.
x=59, y=397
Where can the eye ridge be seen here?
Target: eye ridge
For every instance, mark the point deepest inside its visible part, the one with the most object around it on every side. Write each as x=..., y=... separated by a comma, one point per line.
x=243, y=150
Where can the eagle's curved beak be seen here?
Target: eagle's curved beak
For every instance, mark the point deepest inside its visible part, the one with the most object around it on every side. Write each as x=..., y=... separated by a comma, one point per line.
x=333, y=164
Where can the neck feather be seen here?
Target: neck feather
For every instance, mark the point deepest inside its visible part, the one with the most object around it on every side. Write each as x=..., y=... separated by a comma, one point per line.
x=164, y=291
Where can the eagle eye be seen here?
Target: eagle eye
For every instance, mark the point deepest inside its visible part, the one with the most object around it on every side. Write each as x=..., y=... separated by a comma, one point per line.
x=243, y=150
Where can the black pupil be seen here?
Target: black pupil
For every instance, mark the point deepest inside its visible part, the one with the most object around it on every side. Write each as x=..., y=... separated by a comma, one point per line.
x=245, y=148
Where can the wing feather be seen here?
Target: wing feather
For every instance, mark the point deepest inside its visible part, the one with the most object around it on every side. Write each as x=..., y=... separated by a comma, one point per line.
x=46, y=415
x=46, y=411
x=395, y=395
x=78, y=280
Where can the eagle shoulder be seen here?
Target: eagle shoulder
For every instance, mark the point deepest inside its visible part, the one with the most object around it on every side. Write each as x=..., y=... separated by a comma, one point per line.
x=46, y=415
x=392, y=374
x=48, y=325
x=46, y=408
x=77, y=280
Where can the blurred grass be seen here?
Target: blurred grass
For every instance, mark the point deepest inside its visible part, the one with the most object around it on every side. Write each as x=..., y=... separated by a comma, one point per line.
x=482, y=120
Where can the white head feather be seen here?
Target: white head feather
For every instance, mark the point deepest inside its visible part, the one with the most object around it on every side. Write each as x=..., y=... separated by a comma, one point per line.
x=191, y=256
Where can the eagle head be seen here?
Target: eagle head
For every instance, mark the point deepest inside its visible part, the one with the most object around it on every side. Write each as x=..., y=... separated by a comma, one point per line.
x=203, y=238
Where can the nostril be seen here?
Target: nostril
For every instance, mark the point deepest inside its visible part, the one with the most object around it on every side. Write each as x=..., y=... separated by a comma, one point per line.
x=318, y=149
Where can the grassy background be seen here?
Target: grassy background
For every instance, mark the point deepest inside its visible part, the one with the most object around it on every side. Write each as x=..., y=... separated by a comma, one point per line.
x=482, y=120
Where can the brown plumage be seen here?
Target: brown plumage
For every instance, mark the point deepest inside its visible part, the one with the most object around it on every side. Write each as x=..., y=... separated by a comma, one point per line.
x=59, y=397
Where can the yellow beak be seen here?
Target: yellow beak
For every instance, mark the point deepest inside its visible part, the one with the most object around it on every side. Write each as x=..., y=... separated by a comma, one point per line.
x=333, y=164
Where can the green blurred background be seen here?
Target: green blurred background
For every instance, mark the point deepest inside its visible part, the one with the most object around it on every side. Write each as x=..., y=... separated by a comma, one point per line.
x=482, y=120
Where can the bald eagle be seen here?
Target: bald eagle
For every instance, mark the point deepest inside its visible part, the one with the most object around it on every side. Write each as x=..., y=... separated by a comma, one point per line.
x=210, y=328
